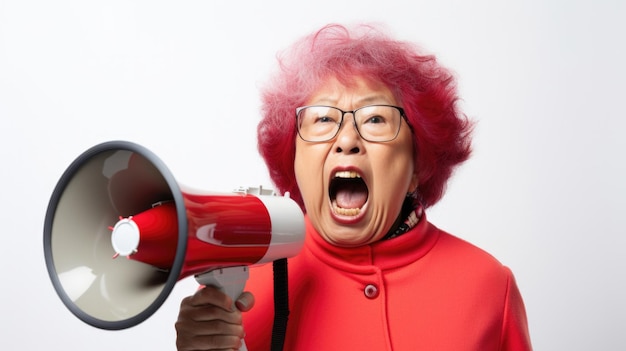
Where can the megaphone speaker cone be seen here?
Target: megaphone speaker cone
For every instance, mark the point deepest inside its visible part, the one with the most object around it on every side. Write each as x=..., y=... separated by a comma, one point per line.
x=107, y=181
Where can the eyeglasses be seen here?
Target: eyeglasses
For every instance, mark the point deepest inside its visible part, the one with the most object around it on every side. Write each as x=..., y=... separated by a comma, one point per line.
x=375, y=123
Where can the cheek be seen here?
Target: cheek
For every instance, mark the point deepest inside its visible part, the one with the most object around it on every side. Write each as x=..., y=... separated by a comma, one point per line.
x=405, y=165
x=393, y=187
x=308, y=167
x=300, y=168
x=398, y=173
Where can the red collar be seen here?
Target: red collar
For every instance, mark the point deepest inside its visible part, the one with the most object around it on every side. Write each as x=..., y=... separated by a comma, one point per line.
x=385, y=254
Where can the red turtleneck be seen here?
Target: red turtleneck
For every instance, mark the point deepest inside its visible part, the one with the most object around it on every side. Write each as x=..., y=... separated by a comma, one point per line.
x=423, y=290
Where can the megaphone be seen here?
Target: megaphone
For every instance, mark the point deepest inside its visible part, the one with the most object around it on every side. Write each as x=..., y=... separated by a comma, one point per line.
x=120, y=232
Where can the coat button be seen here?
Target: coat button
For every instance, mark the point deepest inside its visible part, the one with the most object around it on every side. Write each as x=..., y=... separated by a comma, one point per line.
x=371, y=291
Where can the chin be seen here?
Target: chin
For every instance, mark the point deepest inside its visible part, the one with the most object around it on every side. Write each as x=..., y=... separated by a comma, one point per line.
x=348, y=238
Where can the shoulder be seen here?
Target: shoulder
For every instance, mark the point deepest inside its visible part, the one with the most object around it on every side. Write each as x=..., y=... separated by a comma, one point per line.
x=464, y=258
x=455, y=245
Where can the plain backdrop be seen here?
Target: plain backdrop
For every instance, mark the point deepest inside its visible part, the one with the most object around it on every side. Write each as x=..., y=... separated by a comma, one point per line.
x=544, y=192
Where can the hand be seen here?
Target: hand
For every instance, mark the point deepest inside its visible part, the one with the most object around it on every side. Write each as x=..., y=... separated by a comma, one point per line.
x=207, y=320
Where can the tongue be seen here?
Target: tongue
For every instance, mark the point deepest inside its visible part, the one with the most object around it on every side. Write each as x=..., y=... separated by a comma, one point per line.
x=351, y=197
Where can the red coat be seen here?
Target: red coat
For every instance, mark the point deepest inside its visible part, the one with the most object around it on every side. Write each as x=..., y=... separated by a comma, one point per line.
x=424, y=290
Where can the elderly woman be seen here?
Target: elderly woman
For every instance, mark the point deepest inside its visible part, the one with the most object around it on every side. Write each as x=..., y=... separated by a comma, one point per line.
x=363, y=131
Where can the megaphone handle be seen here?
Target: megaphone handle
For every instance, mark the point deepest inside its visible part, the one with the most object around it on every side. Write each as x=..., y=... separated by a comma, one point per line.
x=231, y=280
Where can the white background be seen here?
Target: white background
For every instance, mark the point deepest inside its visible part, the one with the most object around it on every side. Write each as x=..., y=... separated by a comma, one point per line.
x=544, y=192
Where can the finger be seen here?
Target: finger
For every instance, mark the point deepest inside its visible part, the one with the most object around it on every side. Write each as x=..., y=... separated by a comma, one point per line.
x=245, y=302
x=209, y=342
x=208, y=335
x=209, y=313
x=215, y=342
x=211, y=295
x=208, y=328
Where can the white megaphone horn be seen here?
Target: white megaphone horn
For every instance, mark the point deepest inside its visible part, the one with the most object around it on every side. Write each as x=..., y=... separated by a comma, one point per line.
x=119, y=233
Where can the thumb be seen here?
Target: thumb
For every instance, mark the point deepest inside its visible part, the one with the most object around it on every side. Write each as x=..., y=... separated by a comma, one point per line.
x=245, y=302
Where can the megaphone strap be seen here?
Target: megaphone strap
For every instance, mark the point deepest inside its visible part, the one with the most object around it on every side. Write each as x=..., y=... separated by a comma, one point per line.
x=281, y=304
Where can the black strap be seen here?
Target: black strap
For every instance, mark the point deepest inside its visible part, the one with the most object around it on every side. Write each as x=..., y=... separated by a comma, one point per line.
x=281, y=304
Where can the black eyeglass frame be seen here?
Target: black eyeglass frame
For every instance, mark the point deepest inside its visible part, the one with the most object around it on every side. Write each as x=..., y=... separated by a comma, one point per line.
x=340, y=123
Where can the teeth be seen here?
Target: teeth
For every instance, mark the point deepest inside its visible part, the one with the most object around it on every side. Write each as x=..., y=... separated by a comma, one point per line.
x=347, y=174
x=346, y=211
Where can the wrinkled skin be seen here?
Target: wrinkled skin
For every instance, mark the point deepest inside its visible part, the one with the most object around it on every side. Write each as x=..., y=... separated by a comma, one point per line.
x=387, y=168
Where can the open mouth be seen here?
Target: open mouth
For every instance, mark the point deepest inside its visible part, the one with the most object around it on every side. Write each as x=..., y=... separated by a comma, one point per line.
x=348, y=193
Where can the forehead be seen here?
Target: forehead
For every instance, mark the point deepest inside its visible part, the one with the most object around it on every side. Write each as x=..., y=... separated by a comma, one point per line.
x=357, y=92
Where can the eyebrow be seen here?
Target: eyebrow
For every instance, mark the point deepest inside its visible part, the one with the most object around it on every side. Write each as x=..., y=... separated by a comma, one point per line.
x=370, y=99
x=374, y=99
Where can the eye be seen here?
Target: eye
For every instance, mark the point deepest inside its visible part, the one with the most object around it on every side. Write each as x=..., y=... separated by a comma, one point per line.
x=325, y=119
x=376, y=119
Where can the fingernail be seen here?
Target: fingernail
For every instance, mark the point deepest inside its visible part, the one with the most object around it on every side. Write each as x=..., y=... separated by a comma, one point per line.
x=241, y=304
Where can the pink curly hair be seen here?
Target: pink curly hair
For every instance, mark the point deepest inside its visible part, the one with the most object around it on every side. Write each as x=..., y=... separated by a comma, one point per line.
x=426, y=91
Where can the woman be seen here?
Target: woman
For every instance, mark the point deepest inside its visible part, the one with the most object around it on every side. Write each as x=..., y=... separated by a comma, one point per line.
x=363, y=131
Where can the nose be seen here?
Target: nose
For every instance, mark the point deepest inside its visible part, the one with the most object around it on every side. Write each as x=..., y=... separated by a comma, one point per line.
x=348, y=138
